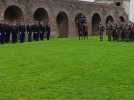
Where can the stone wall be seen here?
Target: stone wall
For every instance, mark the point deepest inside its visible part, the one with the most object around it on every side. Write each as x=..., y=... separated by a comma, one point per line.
x=62, y=13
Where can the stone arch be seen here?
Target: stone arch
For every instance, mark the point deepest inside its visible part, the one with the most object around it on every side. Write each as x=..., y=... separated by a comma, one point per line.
x=109, y=19
x=77, y=21
x=96, y=20
x=13, y=13
x=121, y=19
x=62, y=24
x=41, y=15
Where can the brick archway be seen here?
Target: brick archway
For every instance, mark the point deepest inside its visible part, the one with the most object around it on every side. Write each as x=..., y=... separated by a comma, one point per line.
x=13, y=13
x=62, y=24
x=77, y=21
x=109, y=19
x=121, y=19
x=41, y=15
x=96, y=20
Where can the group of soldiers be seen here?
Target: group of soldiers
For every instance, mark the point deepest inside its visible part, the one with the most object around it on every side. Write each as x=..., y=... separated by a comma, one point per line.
x=20, y=32
x=117, y=31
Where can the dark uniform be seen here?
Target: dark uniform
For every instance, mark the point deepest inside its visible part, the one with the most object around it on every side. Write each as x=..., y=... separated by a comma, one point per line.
x=48, y=31
x=123, y=33
x=42, y=32
x=14, y=33
x=129, y=33
x=114, y=33
x=101, y=31
x=22, y=31
x=132, y=33
x=109, y=31
x=85, y=31
x=118, y=32
x=1, y=34
x=29, y=31
x=7, y=33
x=35, y=32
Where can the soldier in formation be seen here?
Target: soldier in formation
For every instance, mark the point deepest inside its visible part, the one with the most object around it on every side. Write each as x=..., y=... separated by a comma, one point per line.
x=23, y=32
x=120, y=31
x=117, y=31
x=101, y=31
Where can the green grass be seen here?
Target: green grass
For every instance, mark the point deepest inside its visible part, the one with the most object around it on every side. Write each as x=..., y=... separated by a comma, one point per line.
x=67, y=69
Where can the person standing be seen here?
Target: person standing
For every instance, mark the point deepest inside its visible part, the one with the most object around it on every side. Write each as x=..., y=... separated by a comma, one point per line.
x=48, y=30
x=29, y=32
x=101, y=31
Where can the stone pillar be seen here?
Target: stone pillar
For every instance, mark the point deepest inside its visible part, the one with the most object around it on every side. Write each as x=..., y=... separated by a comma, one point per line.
x=52, y=22
x=72, y=31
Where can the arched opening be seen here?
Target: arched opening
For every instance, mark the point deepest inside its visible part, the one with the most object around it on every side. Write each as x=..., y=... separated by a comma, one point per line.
x=41, y=15
x=109, y=19
x=62, y=24
x=13, y=13
x=96, y=19
x=80, y=18
x=121, y=19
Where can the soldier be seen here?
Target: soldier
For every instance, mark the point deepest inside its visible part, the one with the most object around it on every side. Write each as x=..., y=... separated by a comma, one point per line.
x=34, y=31
x=132, y=32
x=48, y=31
x=85, y=30
x=29, y=32
x=118, y=32
x=128, y=32
x=80, y=30
x=7, y=33
x=42, y=31
x=37, y=32
x=101, y=31
x=123, y=35
x=1, y=34
x=114, y=33
x=20, y=33
x=23, y=33
x=14, y=33
x=109, y=31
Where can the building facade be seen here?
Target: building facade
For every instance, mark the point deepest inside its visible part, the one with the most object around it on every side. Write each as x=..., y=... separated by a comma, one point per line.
x=62, y=15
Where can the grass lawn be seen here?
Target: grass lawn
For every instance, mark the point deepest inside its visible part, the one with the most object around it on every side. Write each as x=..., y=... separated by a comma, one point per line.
x=67, y=69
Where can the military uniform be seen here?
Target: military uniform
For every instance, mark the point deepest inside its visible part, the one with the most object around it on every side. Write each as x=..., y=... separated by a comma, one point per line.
x=48, y=30
x=101, y=31
x=29, y=31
